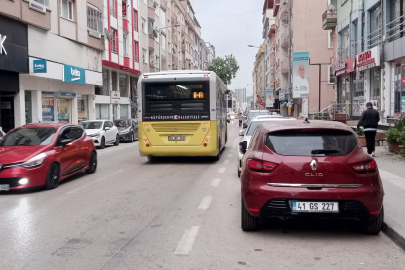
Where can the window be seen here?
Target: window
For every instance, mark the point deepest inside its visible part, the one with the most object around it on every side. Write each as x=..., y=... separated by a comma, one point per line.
x=136, y=21
x=157, y=61
x=157, y=11
x=113, y=8
x=102, y=111
x=124, y=111
x=162, y=18
x=330, y=39
x=66, y=9
x=72, y=133
x=43, y=2
x=123, y=85
x=143, y=25
x=114, y=41
x=144, y=52
x=136, y=54
x=125, y=9
x=163, y=42
x=114, y=83
x=331, y=75
x=94, y=19
x=103, y=90
x=125, y=43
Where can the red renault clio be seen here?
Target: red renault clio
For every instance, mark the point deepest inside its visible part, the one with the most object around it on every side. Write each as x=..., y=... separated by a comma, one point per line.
x=43, y=155
x=313, y=169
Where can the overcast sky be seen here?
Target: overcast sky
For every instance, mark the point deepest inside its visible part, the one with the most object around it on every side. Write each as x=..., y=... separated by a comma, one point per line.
x=231, y=25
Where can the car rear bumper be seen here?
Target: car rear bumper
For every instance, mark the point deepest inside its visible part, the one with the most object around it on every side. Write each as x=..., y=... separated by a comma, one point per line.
x=361, y=202
x=36, y=177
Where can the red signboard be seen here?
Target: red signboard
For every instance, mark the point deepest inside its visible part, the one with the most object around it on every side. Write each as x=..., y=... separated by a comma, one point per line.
x=124, y=9
x=345, y=67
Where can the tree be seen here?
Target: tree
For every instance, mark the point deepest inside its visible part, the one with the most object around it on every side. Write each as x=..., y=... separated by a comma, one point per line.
x=226, y=68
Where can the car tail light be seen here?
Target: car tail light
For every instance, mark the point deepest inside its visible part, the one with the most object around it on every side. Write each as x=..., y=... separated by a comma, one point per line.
x=365, y=167
x=261, y=166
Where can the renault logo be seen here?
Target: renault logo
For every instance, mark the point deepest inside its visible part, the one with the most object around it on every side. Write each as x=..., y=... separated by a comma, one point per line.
x=314, y=165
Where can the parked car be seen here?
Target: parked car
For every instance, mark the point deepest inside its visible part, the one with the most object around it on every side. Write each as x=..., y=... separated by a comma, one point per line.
x=102, y=132
x=43, y=155
x=313, y=170
x=247, y=133
x=252, y=114
x=127, y=129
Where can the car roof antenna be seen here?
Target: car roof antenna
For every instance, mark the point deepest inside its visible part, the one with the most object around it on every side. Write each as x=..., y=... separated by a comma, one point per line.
x=306, y=120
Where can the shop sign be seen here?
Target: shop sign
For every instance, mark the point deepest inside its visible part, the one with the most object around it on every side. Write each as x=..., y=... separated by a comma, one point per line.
x=65, y=94
x=5, y=105
x=115, y=96
x=40, y=66
x=368, y=59
x=2, y=41
x=48, y=107
x=74, y=74
x=345, y=67
x=301, y=72
x=269, y=98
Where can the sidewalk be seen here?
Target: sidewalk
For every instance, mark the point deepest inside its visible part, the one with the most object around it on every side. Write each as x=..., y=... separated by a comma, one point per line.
x=392, y=172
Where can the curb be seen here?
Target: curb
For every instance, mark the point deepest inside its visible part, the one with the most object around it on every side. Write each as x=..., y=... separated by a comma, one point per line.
x=394, y=231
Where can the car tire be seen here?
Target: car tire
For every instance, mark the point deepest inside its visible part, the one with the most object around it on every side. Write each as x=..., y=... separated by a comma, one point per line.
x=92, y=163
x=239, y=172
x=52, y=177
x=117, y=140
x=102, y=143
x=249, y=223
x=374, y=226
x=132, y=137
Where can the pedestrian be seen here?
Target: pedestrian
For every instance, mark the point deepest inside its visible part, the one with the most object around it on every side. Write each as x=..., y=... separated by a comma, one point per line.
x=369, y=121
x=240, y=117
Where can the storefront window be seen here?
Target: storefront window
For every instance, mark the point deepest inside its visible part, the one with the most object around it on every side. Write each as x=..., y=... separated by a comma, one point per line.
x=82, y=108
x=375, y=86
x=102, y=111
x=48, y=107
x=103, y=90
x=123, y=86
x=398, y=87
x=64, y=110
x=114, y=81
x=28, y=107
x=124, y=111
x=358, y=105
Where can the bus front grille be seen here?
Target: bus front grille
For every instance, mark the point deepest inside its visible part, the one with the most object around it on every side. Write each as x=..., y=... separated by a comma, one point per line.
x=178, y=127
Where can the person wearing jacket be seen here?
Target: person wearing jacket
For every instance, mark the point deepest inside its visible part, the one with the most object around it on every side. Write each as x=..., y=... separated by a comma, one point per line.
x=369, y=121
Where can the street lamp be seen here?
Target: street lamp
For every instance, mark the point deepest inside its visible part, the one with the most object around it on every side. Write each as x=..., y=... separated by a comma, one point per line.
x=160, y=42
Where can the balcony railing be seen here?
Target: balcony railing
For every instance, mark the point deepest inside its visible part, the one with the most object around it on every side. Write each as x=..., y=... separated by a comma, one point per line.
x=284, y=40
x=284, y=66
x=396, y=29
x=343, y=54
x=329, y=19
x=374, y=38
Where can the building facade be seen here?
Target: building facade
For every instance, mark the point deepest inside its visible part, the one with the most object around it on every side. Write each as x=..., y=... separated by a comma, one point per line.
x=64, y=45
x=258, y=75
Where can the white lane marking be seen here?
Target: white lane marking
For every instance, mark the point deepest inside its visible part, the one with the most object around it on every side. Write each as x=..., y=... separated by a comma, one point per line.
x=98, y=180
x=215, y=182
x=221, y=170
x=392, y=178
x=186, y=243
x=229, y=155
x=226, y=161
x=205, y=203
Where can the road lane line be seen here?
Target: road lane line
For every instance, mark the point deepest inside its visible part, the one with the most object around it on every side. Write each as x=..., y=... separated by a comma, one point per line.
x=187, y=241
x=205, y=203
x=215, y=182
x=226, y=161
x=221, y=170
x=98, y=180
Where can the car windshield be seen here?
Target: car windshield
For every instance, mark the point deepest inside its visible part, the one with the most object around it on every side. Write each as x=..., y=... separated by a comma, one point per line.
x=254, y=114
x=122, y=123
x=92, y=125
x=29, y=137
x=310, y=143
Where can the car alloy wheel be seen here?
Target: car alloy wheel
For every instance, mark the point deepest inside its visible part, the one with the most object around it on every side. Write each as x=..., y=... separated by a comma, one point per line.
x=102, y=144
x=92, y=163
x=53, y=177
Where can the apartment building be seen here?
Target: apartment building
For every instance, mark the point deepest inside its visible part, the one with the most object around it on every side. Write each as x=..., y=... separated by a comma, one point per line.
x=298, y=30
x=259, y=82
x=55, y=47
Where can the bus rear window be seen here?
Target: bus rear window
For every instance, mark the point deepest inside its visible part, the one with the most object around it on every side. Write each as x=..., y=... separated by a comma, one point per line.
x=176, y=91
x=311, y=143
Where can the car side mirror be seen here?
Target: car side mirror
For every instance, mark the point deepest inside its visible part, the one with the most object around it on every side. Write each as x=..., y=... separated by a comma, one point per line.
x=107, y=128
x=64, y=142
x=244, y=125
x=242, y=132
x=243, y=147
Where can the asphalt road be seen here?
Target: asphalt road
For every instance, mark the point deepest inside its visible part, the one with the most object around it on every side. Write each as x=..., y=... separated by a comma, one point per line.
x=172, y=214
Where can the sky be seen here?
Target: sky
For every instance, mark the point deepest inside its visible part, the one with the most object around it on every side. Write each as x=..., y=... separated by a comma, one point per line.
x=231, y=25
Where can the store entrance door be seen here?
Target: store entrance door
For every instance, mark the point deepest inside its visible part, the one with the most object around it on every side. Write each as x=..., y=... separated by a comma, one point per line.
x=7, y=111
x=64, y=109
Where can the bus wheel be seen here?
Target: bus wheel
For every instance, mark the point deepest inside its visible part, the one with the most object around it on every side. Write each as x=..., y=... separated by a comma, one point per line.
x=150, y=158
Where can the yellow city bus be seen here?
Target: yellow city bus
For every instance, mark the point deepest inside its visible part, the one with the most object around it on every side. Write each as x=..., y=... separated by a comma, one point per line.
x=182, y=113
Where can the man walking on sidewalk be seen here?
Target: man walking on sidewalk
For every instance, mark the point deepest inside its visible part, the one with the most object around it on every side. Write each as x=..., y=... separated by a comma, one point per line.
x=369, y=121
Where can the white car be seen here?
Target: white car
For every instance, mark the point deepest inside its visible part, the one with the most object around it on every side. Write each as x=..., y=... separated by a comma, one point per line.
x=102, y=132
x=248, y=132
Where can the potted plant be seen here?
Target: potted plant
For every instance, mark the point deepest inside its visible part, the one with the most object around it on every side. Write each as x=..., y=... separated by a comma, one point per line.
x=361, y=136
x=393, y=139
x=401, y=138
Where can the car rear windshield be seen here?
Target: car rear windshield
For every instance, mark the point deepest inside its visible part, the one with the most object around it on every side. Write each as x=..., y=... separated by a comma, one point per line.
x=311, y=143
x=254, y=114
x=92, y=125
x=29, y=136
x=122, y=123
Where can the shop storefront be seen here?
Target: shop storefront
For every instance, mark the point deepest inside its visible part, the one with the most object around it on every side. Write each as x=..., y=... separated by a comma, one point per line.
x=345, y=73
x=13, y=61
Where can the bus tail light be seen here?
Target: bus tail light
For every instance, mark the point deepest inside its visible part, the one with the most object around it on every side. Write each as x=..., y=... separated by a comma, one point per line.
x=205, y=144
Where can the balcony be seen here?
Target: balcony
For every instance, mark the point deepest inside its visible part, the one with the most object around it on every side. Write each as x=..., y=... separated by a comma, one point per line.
x=284, y=40
x=151, y=43
x=151, y=13
x=396, y=29
x=284, y=66
x=284, y=11
x=329, y=19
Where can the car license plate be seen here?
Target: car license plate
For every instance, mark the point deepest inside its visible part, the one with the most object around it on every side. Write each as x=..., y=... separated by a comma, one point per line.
x=4, y=187
x=177, y=138
x=315, y=207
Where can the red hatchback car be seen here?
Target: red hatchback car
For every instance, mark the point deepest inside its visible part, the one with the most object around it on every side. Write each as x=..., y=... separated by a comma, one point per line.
x=44, y=154
x=313, y=169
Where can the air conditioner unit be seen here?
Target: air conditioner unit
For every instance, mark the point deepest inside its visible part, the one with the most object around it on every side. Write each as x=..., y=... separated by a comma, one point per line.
x=94, y=33
x=37, y=6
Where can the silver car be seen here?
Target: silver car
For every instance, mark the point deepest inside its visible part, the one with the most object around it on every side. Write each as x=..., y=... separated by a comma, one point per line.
x=247, y=133
x=253, y=114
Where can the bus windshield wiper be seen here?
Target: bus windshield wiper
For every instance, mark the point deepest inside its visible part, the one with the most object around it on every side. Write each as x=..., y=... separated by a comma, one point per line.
x=324, y=151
